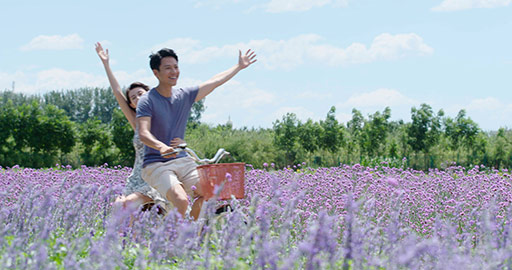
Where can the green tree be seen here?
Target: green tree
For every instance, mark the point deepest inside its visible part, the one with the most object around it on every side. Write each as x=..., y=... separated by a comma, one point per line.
x=96, y=143
x=331, y=138
x=104, y=103
x=35, y=135
x=26, y=124
x=354, y=128
x=374, y=133
x=461, y=131
x=478, y=151
x=309, y=135
x=7, y=124
x=16, y=99
x=500, y=149
x=53, y=123
x=425, y=128
x=76, y=103
x=285, y=136
x=122, y=133
x=394, y=139
x=195, y=114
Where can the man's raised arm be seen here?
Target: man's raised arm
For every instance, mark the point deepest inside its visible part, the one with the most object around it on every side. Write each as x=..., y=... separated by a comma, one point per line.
x=243, y=61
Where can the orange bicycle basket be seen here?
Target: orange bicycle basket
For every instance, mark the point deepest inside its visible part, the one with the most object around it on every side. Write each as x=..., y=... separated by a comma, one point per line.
x=229, y=174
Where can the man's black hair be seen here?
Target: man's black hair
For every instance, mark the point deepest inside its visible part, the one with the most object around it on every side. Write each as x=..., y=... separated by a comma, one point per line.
x=156, y=58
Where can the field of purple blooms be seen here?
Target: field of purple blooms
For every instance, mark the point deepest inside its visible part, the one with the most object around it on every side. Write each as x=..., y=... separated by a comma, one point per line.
x=346, y=217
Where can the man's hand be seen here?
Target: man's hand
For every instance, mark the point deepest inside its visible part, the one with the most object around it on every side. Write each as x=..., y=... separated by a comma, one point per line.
x=164, y=151
x=243, y=61
x=247, y=59
x=101, y=53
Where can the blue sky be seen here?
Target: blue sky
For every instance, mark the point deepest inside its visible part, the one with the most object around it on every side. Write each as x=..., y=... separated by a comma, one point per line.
x=312, y=54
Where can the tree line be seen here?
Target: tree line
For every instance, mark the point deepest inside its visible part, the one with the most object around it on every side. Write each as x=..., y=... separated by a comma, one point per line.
x=85, y=127
x=75, y=127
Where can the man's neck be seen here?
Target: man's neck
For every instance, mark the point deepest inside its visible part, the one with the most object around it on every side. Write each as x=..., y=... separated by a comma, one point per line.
x=164, y=90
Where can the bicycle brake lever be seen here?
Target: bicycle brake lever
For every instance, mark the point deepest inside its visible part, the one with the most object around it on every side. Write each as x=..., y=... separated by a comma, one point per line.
x=182, y=145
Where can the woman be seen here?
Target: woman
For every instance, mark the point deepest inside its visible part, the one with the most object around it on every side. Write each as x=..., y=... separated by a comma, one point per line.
x=137, y=192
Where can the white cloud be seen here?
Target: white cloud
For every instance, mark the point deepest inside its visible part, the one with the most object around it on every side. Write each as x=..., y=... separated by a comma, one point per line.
x=384, y=47
x=6, y=80
x=379, y=98
x=179, y=45
x=278, y=6
x=237, y=95
x=310, y=48
x=314, y=96
x=453, y=5
x=370, y=102
x=485, y=104
x=56, y=42
x=60, y=79
x=490, y=113
x=56, y=79
x=245, y=104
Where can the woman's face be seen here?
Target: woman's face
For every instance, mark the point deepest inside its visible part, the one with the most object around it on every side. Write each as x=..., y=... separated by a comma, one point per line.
x=134, y=96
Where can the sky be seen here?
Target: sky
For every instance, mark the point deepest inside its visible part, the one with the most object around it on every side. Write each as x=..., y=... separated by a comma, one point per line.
x=312, y=54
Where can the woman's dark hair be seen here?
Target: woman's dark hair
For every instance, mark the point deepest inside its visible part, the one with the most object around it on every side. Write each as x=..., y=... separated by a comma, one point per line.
x=133, y=86
x=156, y=58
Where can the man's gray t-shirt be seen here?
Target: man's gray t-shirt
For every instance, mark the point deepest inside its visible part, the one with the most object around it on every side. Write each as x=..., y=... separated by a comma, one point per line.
x=168, y=117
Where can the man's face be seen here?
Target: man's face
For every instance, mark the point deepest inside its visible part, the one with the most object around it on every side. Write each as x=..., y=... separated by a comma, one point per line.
x=169, y=71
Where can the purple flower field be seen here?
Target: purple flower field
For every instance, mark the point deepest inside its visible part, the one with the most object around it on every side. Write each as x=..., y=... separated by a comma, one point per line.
x=346, y=217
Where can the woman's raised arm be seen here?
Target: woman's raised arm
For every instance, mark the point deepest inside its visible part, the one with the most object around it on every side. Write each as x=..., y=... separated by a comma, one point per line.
x=118, y=92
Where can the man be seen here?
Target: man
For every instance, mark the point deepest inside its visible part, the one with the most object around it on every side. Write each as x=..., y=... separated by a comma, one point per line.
x=162, y=116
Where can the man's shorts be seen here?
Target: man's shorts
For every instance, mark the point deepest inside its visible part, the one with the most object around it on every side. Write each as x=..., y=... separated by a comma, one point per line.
x=164, y=175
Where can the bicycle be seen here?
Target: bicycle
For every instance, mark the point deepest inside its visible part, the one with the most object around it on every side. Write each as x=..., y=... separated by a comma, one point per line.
x=222, y=181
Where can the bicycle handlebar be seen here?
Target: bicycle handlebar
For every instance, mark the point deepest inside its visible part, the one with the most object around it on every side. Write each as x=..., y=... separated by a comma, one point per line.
x=183, y=147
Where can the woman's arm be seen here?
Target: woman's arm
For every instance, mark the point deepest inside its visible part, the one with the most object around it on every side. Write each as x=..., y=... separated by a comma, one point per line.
x=118, y=92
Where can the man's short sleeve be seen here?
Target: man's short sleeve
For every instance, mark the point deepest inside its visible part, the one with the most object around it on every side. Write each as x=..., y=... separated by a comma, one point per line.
x=144, y=106
x=192, y=93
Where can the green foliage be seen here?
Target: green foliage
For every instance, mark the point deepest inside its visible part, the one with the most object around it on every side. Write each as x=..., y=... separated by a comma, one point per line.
x=308, y=135
x=104, y=103
x=286, y=135
x=96, y=141
x=195, y=114
x=16, y=99
x=374, y=132
x=331, y=134
x=501, y=150
x=122, y=136
x=461, y=131
x=76, y=103
x=84, y=126
x=425, y=128
x=354, y=129
x=7, y=124
x=54, y=123
x=34, y=136
x=249, y=146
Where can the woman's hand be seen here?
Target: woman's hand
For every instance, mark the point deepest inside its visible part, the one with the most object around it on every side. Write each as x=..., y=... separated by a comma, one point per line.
x=176, y=141
x=101, y=53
